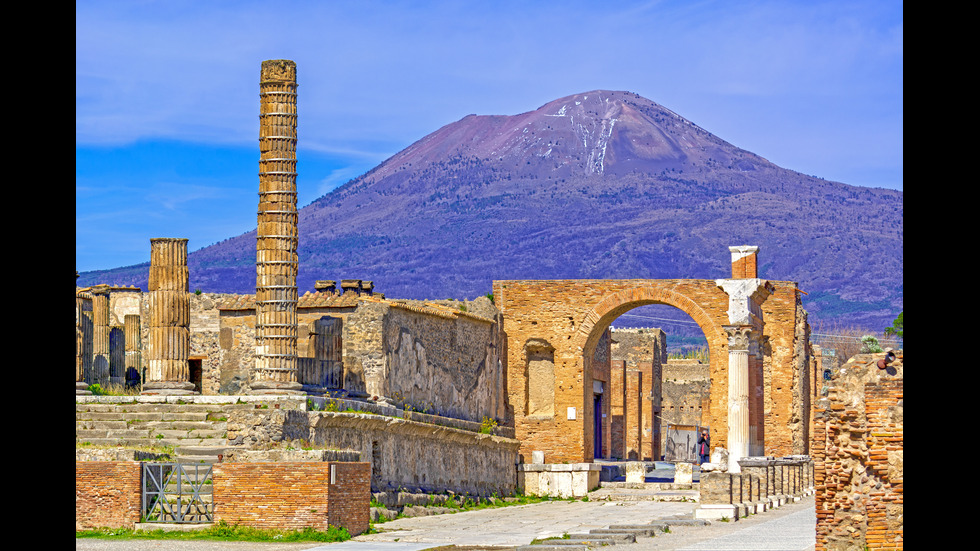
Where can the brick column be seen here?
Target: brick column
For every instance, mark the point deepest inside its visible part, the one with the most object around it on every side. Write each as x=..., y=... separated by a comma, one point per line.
x=100, y=335
x=277, y=261
x=167, y=371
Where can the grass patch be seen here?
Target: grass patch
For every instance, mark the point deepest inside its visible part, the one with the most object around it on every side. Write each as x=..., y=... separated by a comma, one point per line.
x=221, y=532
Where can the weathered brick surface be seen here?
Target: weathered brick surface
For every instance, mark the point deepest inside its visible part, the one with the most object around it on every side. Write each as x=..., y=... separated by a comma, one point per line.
x=107, y=494
x=293, y=495
x=571, y=315
x=858, y=457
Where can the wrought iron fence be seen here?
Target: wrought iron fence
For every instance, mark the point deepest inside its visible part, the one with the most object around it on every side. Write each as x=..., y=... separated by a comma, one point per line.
x=177, y=493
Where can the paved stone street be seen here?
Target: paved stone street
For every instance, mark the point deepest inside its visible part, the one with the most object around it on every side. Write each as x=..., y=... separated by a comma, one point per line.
x=788, y=528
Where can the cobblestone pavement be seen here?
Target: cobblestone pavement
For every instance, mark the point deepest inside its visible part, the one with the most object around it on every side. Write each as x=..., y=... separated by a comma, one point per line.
x=788, y=528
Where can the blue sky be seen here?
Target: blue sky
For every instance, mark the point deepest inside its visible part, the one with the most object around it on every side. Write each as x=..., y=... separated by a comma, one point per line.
x=166, y=92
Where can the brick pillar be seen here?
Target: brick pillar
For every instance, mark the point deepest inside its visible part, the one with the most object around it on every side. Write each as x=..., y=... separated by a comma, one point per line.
x=276, y=296
x=134, y=374
x=744, y=262
x=167, y=370
x=633, y=410
x=80, y=386
x=100, y=335
x=617, y=409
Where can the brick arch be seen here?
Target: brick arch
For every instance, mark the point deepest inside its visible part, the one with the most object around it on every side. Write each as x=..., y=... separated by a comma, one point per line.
x=616, y=304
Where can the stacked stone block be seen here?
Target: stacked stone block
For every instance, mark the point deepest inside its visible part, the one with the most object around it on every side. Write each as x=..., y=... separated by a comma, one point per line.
x=277, y=260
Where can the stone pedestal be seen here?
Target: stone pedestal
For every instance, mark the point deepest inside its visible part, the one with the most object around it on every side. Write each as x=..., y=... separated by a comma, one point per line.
x=683, y=473
x=636, y=471
x=561, y=480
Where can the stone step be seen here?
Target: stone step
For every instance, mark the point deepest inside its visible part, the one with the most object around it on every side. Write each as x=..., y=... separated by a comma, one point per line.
x=161, y=408
x=549, y=547
x=648, y=531
x=134, y=416
x=609, y=538
x=136, y=442
x=199, y=454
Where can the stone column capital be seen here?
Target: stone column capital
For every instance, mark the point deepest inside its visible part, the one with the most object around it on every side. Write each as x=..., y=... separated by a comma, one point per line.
x=739, y=336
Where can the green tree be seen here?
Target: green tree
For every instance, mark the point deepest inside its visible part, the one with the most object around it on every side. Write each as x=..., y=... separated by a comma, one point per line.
x=896, y=327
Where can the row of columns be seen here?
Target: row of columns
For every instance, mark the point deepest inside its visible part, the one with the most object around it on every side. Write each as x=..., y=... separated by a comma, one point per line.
x=168, y=349
x=276, y=295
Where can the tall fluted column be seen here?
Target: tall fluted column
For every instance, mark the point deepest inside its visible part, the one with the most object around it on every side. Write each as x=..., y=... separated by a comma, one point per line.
x=277, y=261
x=100, y=335
x=80, y=386
x=132, y=332
x=170, y=312
x=739, y=337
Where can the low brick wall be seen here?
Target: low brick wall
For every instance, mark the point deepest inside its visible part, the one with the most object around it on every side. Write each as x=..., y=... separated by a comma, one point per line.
x=107, y=494
x=280, y=495
x=292, y=496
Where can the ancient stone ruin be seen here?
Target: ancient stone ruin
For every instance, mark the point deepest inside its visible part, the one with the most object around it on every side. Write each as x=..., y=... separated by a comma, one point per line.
x=480, y=397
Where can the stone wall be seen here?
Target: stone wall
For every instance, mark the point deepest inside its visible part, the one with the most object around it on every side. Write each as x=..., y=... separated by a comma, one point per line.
x=435, y=359
x=427, y=455
x=859, y=455
x=686, y=395
x=644, y=350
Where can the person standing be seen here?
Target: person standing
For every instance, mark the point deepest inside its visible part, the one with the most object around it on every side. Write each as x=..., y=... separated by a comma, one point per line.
x=704, y=446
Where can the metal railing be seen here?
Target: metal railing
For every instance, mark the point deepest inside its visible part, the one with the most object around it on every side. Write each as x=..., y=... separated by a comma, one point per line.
x=177, y=493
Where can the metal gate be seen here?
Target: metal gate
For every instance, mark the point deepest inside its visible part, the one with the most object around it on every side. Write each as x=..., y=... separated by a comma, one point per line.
x=177, y=493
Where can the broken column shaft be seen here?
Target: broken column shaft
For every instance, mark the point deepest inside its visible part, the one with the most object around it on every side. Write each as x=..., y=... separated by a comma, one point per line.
x=168, y=348
x=100, y=335
x=277, y=261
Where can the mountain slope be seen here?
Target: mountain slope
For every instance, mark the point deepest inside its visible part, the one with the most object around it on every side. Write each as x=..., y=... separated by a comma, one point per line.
x=595, y=185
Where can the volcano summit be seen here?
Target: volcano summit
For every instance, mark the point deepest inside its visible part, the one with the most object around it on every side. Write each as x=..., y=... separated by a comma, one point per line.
x=595, y=185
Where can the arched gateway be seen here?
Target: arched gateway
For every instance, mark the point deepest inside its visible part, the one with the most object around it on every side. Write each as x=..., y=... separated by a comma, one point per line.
x=756, y=333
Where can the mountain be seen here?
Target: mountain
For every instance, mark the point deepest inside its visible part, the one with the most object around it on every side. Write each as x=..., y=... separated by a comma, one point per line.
x=601, y=184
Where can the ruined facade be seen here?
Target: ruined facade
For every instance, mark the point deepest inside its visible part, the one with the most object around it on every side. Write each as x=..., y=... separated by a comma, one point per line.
x=757, y=405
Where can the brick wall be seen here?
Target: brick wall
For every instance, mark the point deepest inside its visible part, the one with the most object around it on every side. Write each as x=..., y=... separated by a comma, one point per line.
x=294, y=495
x=107, y=494
x=858, y=457
x=281, y=495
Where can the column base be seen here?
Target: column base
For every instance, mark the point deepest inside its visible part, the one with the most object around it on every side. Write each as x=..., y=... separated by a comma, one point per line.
x=276, y=388
x=81, y=389
x=168, y=388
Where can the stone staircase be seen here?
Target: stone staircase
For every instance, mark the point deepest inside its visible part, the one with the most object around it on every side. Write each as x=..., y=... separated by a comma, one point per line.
x=196, y=431
x=611, y=535
x=645, y=491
